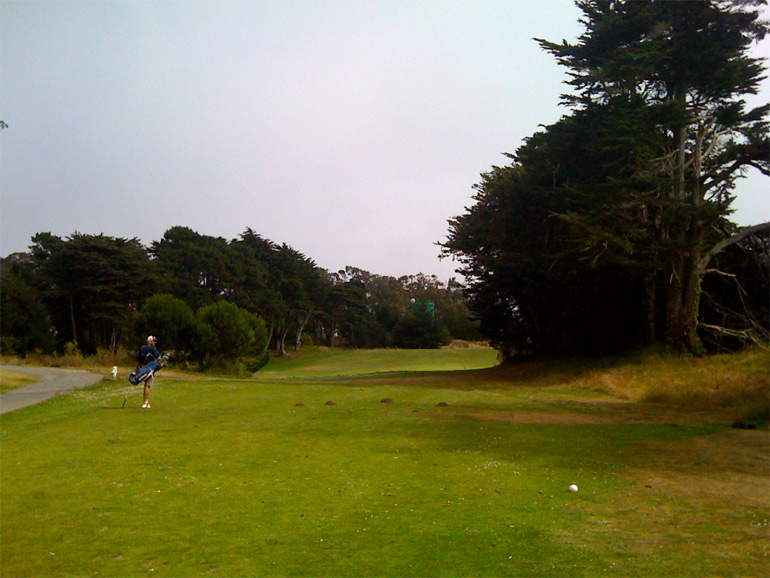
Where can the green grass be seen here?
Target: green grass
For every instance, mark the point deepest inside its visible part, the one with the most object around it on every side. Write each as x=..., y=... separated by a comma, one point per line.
x=10, y=380
x=321, y=361
x=233, y=478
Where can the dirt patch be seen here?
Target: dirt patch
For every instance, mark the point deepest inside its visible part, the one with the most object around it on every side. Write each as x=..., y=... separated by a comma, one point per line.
x=463, y=344
x=534, y=417
x=606, y=412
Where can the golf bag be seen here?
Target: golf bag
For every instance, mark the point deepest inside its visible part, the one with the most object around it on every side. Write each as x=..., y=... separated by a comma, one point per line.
x=146, y=371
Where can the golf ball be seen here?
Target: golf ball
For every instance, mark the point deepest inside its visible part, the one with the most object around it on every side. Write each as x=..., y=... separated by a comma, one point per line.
x=573, y=488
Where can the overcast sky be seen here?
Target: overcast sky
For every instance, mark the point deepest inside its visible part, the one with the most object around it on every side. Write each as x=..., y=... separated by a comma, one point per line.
x=350, y=130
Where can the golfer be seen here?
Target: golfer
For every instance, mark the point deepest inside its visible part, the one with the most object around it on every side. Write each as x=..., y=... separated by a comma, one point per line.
x=147, y=354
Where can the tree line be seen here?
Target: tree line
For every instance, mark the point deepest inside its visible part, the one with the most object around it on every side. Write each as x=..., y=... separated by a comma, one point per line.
x=213, y=299
x=610, y=229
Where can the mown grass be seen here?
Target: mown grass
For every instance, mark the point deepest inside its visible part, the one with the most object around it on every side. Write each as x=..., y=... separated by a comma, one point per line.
x=321, y=361
x=10, y=380
x=233, y=478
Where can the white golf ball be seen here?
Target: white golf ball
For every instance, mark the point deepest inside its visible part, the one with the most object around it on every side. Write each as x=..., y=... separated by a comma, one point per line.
x=573, y=488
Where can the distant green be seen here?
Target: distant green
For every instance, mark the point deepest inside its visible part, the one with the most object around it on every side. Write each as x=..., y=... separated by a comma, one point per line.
x=320, y=361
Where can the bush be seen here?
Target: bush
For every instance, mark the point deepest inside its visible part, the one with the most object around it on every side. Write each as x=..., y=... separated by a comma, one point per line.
x=168, y=318
x=307, y=340
x=225, y=332
x=107, y=357
x=71, y=349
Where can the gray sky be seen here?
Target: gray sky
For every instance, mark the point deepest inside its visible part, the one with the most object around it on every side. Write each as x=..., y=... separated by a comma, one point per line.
x=350, y=130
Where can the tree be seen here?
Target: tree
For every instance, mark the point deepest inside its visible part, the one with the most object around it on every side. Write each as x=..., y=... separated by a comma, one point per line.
x=91, y=284
x=364, y=308
x=598, y=234
x=277, y=281
x=734, y=296
x=368, y=310
x=25, y=323
x=193, y=267
x=420, y=329
x=255, y=286
x=300, y=285
x=347, y=312
x=687, y=63
x=451, y=308
x=540, y=282
x=226, y=332
x=169, y=318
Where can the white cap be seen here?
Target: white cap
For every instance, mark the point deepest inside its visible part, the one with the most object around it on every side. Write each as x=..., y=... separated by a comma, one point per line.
x=151, y=338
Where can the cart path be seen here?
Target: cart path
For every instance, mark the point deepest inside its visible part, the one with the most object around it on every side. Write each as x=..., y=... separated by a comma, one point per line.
x=51, y=382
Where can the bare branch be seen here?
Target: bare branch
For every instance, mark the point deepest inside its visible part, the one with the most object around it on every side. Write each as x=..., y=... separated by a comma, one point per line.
x=718, y=272
x=736, y=166
x=736, y=237
x=743, y=334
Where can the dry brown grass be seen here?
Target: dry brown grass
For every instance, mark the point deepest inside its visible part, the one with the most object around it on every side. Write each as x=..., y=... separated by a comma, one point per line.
x=658, y=377
x=737, y=385
x=644, y=388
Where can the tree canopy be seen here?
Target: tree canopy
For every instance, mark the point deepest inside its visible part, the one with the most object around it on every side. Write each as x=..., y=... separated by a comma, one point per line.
x=91, y=285
x=600, y=231
x=207, y=298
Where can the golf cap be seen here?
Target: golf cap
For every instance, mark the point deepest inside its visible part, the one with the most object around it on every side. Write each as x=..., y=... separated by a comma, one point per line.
x=151, y=338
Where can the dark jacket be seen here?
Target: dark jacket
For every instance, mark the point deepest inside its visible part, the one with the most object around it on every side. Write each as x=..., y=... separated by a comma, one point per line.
x=147, y=354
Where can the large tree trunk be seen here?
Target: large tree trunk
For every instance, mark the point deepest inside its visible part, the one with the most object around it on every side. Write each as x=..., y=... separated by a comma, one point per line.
x=270, y=331
x=301, y=322
x=687, y=249
x=280, y=343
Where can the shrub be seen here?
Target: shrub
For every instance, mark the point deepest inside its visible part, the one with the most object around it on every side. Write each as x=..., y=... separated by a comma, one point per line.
x=169, y=318
x=227, y=332
x=307, y=340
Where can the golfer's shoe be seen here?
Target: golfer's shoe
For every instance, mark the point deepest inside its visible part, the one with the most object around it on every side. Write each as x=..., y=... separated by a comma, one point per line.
x=146, y=405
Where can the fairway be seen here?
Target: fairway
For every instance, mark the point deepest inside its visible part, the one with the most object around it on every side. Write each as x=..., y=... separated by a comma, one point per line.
x=322, y=361
x=262, y=477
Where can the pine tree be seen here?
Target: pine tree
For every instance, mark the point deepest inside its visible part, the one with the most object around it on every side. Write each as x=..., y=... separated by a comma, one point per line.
x=687, y=64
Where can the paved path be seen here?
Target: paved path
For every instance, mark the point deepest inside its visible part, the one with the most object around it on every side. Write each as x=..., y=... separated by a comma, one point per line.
x=51, y=381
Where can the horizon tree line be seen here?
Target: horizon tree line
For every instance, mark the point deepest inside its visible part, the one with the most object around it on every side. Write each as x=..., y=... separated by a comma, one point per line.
x=98, y=292
x=608, y=230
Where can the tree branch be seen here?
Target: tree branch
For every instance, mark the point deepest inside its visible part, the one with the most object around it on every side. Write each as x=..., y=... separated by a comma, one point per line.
x=729, y=171
x=743, y=334
x=718, y=272
x=736, y=237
